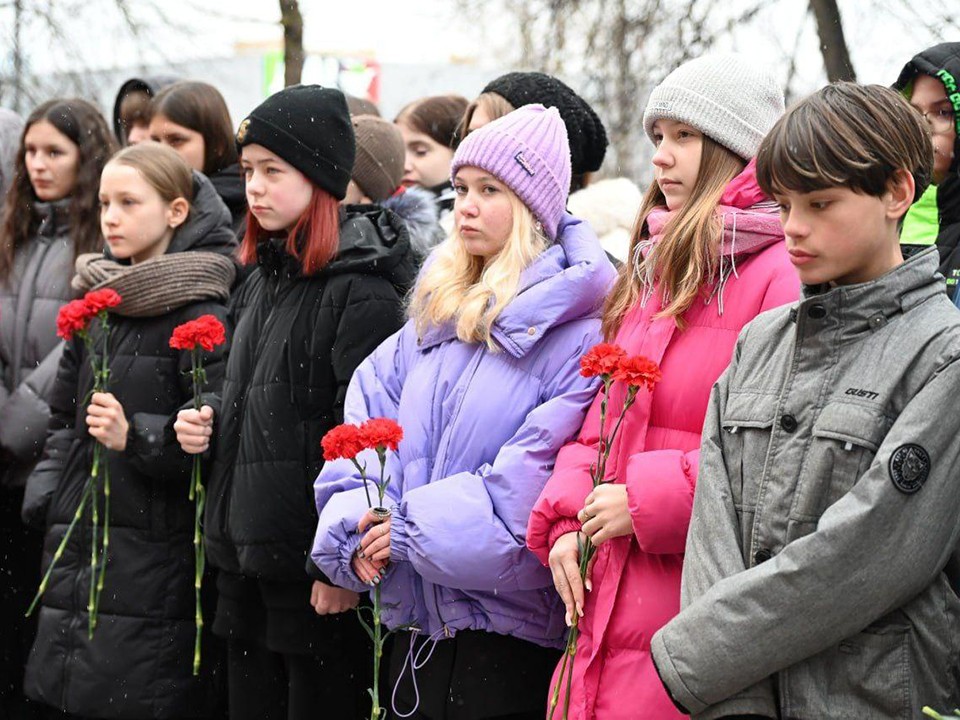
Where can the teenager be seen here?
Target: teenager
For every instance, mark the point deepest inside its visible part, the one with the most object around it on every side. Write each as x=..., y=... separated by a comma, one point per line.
x=325, y=290
x=822, y=550
x=169, y=243
x=429, y=127
x=131, y=109
x=377, y=179
x=49, y=217
x=707, y=256
x=484, y=378
x=193, y=119
x=930, y=82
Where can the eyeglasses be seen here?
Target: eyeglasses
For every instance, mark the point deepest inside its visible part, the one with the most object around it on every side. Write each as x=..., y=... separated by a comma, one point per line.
x=941, y=120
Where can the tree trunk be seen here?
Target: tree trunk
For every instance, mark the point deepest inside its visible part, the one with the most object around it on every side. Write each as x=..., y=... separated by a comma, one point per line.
x=292, y=22
x=833, y=46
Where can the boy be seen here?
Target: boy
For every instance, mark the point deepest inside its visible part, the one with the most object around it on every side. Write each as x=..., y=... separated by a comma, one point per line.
x=931, y=82
x=819, y=571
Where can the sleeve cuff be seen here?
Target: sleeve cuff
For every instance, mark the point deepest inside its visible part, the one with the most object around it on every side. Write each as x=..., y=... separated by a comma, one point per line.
x=671, y=679
x=562, y=527
x=399, y=541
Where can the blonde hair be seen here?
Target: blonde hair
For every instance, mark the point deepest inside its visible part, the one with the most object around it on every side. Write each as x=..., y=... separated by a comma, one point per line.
x=686, y=257
x=494, y=105
x=162, y=167
x=472, y=291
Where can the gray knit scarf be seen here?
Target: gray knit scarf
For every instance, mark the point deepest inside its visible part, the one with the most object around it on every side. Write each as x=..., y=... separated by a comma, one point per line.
x=158, y=285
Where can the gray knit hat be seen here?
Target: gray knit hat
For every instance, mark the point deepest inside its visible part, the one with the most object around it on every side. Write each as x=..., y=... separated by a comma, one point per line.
x=728, y=97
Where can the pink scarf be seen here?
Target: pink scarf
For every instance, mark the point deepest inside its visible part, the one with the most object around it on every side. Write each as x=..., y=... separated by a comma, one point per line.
x=751, y=222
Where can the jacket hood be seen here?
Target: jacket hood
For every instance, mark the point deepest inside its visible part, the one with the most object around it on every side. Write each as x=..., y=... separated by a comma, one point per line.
x=568, y=281
x=373, y=241
x=230, y=186
x=418, y=210
x=943, y=63
x=151, y=85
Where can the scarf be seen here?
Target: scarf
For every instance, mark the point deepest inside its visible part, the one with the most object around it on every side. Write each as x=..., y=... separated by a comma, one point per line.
x=159, y=285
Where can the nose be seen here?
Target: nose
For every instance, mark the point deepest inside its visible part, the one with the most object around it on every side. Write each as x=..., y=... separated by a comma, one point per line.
x=254, y=186
x=109, y=215
x=35, y=161
x=663, y=158
x=466, y=204
x=408, y=162
x=793, y=225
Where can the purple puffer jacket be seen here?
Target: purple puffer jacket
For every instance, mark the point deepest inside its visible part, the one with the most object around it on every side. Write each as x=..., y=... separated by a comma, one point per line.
x=482, y=431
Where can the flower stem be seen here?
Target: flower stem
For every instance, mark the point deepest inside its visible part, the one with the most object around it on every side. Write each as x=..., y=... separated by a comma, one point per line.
x=199, y=559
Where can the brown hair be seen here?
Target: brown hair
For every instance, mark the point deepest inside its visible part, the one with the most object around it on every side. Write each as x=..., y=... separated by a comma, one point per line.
x=201, y=108
x=85, y=127
x=846, y=135
x=685, y=259
x=494, y=105
x=162, y=167
x=134, y=109
x=437, y=117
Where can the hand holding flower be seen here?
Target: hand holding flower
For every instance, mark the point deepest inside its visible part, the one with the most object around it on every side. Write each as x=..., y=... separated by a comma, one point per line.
x=606, y=513
x=106, y=421
x=194, y=429
x=564, y=563
x=375, y=544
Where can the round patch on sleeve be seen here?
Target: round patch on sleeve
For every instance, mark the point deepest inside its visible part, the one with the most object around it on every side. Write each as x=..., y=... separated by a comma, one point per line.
x=909, y=468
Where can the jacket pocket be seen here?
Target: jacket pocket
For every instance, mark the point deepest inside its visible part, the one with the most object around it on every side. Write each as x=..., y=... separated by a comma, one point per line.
x=846, y=438
x=865, y=676
x=746, y=424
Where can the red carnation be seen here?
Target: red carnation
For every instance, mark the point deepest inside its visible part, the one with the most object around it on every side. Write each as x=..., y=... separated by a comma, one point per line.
x=100, y=300
x=381, y=433
x=638, y=371
x=206, y=331
x=73, y=318
x=601, y=359
x=343, y=441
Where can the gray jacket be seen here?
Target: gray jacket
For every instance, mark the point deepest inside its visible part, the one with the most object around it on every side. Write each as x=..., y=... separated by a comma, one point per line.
x=38, y=285
x=821, y=563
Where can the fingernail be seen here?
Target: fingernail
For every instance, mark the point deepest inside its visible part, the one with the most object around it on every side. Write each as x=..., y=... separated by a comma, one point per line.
x=376, y=580
x=589, y=586
x=579, y=610
x=360, y=553
x=382, y=571
x=566, y=619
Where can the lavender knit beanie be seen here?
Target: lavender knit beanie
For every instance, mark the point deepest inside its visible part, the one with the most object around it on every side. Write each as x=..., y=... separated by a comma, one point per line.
x=528, y=151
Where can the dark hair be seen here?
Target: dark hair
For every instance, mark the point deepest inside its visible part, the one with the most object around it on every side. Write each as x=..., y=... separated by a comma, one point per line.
x=85, y=127
x=201, y=108
x=846, y=135
x=438, y=117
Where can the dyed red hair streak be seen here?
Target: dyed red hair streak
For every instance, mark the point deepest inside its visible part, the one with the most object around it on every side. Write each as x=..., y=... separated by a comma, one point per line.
x=313, y=240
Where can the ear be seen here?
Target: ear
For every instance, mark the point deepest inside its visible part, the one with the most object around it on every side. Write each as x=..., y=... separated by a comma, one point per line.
x=900, y=194
x=177, y=212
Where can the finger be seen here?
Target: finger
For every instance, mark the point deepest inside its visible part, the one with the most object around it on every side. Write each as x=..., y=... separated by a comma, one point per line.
x=98, y=410
x=366, y=521
x=206, y=414
x=314, y=594
x=591, y=497
x=194, y=447
x=379, y=544
x=592, y=526
x=589, y=576
x=572, y=571
x=373, y=535
x=382, y=555
x=369, y=574
x=563, y=590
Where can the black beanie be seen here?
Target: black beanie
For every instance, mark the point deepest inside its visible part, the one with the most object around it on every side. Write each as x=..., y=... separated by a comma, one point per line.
x=588, y=137
x=309, y=127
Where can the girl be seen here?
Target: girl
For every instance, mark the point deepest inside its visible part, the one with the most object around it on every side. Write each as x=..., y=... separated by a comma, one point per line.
x=707, y=255
x=484, y=380
x=325, y=291
x=429, y=127
x=50, y=217
x=161, y=224
x=192, y=118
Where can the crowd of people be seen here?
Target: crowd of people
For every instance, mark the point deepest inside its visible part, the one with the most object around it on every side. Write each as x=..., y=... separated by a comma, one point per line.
x=776, y=531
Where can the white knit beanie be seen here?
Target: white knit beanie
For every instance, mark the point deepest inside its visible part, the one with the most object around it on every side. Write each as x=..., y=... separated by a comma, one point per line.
x=728, y=97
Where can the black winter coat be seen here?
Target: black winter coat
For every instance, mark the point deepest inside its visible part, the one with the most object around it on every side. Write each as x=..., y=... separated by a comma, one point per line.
x=296, y=343
x=140, y=661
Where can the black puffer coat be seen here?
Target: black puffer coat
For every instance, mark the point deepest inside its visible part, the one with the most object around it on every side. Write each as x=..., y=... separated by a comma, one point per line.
x=296, y=343
x=140, y=661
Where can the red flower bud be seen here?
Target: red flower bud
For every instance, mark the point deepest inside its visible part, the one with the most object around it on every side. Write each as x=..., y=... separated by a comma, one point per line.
x=343, y=441
x=601, y=359
x=206, y=331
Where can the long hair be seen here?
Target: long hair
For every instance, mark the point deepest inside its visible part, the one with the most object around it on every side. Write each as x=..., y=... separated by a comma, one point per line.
x=85, y=127
x=495, y=106
x=200, y=107
x=686, y=257
x=313, y=240
x=470, y=291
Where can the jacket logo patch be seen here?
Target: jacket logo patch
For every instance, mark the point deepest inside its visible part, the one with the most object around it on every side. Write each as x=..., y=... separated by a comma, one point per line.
x=522, y=161
x=857, y=392
x=909, y=468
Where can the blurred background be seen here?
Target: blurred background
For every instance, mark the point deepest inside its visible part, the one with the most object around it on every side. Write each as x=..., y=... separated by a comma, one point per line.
x=392, y=51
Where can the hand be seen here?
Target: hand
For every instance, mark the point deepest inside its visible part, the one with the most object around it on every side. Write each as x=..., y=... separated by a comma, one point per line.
x=369, y=572
x=106, y=422
x=564, y=563
x=606, y=514
x=330, y=600
x=375, y=545
x=194, y=428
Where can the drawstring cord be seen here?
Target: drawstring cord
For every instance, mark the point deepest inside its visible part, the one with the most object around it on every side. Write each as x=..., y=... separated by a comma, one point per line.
x=413, y=660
